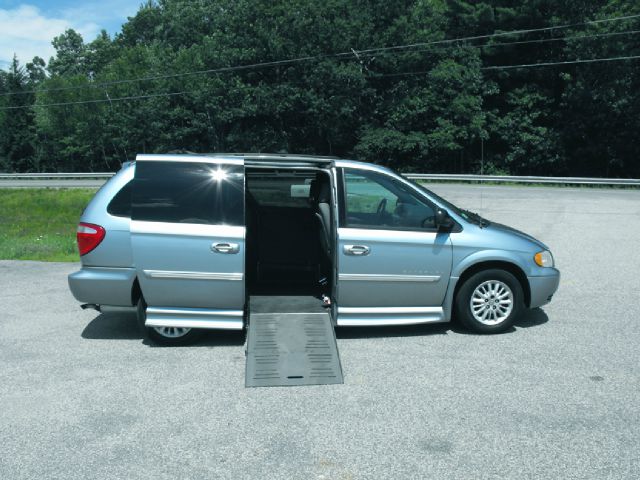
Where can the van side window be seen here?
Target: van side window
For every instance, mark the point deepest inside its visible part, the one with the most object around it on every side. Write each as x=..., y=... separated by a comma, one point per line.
x=120, y=204
x=188, y=192
x=376, y=201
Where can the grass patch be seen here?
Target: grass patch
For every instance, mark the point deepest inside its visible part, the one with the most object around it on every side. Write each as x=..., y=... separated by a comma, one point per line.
x=40, y=224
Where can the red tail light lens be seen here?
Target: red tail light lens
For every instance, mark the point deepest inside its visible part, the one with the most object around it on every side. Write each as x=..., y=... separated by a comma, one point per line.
x=89, y=237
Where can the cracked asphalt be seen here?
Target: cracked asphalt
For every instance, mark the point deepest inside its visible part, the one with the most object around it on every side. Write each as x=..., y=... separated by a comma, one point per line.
x=83, y=397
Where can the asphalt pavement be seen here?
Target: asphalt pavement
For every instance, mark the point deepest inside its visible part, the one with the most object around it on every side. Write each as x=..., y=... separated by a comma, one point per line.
x=83, y=397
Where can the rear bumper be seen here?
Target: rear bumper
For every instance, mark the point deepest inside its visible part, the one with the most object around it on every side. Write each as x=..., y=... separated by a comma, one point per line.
x=103, y=285
x=543, y=288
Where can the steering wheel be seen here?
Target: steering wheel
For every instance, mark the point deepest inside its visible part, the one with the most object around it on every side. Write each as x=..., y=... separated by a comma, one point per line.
x=382, y=206
x=429, y=222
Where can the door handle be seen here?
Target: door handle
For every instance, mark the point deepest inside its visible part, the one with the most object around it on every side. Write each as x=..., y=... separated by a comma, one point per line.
x=359, y=250
x=225, y=247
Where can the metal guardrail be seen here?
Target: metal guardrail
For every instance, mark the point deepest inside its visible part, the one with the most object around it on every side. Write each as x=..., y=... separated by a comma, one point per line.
x=55, y=176
x=522, y=179
x=442, y=177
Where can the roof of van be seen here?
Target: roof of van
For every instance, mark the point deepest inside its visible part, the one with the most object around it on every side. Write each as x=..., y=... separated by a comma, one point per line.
x=267, y=157
x=274, y=160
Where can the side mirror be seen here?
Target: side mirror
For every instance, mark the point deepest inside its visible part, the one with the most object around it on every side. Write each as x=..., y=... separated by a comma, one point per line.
x=443, y=220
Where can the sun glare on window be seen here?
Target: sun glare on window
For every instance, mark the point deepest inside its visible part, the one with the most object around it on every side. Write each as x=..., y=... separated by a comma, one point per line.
x=218, y=175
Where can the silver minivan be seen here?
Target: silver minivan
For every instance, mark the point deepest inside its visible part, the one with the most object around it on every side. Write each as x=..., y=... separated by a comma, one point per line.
x=187, y=240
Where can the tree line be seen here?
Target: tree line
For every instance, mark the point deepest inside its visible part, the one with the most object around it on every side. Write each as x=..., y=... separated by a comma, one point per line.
x=418, y=85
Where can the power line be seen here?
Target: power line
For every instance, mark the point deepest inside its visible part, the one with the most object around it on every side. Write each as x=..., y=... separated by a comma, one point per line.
x=350, y=53
x=109, y=100
x=524, y=65
x=495, y=67
x=499, y=34
x=160, y=77
x=546, y=40
x=557, y=39
x=568, y=62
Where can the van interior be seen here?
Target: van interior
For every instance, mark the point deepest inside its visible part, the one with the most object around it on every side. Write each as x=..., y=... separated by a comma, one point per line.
x=288, y=240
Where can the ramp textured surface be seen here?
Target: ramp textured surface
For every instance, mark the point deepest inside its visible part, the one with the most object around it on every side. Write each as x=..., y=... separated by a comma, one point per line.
x=286, y=349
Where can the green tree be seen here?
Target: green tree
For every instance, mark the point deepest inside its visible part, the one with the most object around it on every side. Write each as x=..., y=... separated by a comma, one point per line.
x=70, y=58
x=600, y=114
x=432, y=107
x=17, y=132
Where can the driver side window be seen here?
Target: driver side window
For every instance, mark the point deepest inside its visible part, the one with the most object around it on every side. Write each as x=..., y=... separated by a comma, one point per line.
x=376, y=201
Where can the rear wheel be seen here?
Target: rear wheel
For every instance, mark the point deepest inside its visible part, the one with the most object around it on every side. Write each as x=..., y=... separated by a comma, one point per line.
x=165, y=335
x=489, y=301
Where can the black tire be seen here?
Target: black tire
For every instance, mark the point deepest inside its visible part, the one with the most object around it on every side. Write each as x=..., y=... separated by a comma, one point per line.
x=500, y=318
x=152, y=334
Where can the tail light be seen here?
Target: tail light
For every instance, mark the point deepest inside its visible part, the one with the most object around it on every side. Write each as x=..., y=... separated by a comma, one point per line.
x=89, y=237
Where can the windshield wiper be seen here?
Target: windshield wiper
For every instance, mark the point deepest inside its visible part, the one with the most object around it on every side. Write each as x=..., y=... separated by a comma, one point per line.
x=474, y=217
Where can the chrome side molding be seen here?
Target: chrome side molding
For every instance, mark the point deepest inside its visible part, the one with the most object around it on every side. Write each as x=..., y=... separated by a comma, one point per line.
x=387, y=278
x=173, y=275
x=379, y=316
x=194, y=318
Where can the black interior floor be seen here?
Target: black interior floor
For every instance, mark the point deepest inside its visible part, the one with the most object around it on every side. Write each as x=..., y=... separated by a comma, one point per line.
x=285, y=304
x=292, y=287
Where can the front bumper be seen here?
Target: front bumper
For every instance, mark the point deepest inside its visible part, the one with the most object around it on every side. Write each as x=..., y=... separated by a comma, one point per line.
x=103, y=285
x=542, y=288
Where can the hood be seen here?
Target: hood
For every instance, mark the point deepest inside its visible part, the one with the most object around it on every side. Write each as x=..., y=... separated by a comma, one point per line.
x=500, y=228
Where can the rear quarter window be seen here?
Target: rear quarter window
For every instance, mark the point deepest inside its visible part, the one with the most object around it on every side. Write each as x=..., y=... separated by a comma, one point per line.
x=120, y=204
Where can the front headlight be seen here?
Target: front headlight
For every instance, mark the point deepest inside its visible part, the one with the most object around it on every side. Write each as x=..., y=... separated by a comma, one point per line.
x=543, y=259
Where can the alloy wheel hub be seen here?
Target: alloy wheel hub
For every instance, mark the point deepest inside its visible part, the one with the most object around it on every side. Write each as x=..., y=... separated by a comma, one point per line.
x=172, y=332
x=491, y=302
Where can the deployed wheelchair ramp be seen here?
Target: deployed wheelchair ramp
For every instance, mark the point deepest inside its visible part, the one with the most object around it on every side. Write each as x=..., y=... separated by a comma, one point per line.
x=287, y=348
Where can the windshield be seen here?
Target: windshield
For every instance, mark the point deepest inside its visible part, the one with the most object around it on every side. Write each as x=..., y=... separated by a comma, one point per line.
x=468, y=215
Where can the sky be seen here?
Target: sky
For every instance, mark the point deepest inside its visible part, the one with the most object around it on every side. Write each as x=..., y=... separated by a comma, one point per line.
x=28, y=27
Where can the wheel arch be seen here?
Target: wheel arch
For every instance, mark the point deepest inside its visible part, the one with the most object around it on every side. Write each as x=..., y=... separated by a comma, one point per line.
x=510, y=267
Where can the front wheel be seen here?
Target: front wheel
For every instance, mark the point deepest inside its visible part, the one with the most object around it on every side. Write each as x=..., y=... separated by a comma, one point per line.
x=489, y=301
x=165, y=335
